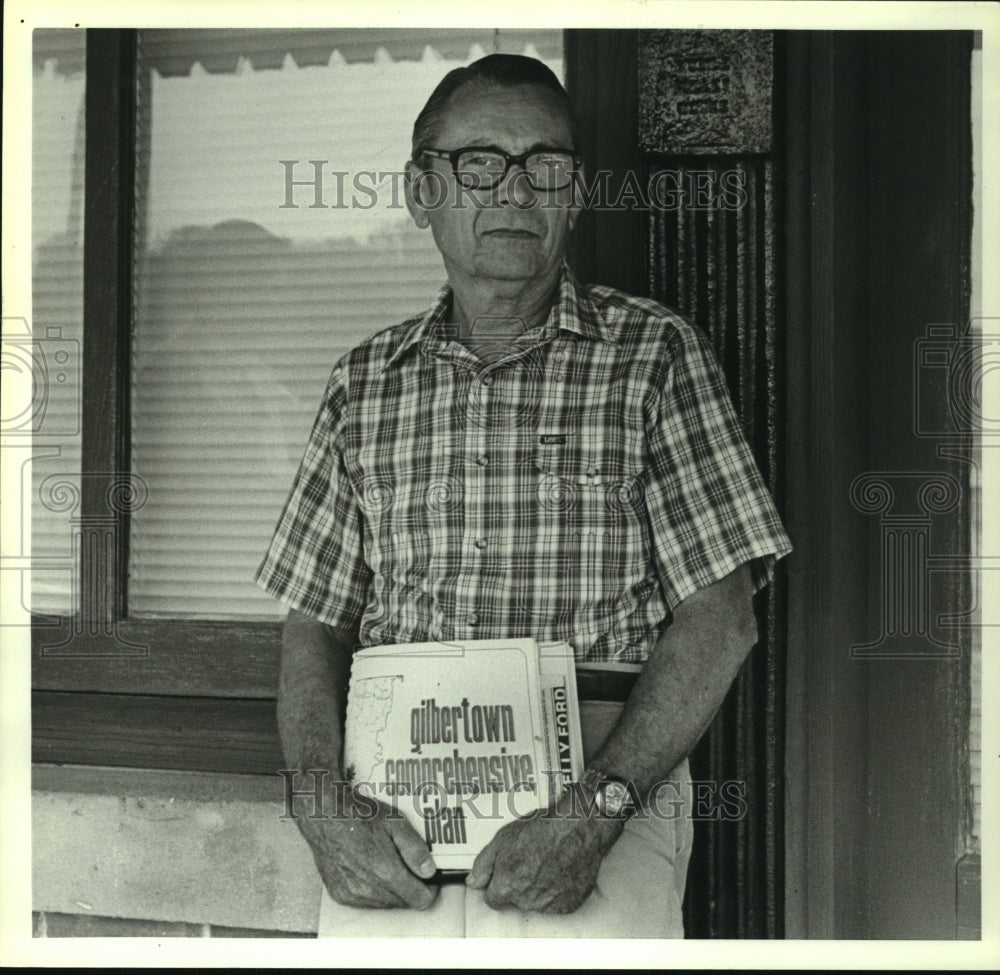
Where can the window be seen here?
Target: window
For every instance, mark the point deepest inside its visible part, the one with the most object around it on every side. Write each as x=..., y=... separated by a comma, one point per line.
x=214, y=314
x=273, y=237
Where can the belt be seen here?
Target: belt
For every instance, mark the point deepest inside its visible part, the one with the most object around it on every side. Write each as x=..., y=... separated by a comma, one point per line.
x=604, y=685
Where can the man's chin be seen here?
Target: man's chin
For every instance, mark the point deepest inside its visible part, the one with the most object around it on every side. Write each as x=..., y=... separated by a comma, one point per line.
x=510, y=267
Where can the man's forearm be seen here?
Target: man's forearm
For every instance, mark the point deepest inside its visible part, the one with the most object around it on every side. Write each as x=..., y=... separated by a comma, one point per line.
x=371, y=859
x=552, y=863
x=312, y=692
x=683, y=683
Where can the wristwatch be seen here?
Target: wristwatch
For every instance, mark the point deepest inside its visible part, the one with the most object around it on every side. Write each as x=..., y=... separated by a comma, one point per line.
x=613, y=793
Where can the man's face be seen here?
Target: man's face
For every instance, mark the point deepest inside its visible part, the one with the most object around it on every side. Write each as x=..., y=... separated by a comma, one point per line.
x=512, y=232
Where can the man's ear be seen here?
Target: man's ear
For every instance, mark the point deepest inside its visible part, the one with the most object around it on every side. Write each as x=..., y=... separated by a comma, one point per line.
x=412, y=188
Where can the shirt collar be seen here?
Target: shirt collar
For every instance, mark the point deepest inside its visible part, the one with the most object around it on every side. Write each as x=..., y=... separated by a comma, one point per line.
x=575, y=312
x=426, y=325
x=572, y=310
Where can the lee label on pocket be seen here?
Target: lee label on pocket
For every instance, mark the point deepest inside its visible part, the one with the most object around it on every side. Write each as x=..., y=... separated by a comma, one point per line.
x=550, y=438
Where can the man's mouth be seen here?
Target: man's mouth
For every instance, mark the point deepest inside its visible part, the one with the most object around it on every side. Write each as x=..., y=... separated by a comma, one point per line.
x=510, y=233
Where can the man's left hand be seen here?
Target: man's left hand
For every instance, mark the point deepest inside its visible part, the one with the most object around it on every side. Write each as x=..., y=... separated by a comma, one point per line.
x=546, y=862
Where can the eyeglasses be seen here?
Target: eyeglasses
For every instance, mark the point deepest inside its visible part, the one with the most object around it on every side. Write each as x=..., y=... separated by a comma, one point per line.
x=483, y=169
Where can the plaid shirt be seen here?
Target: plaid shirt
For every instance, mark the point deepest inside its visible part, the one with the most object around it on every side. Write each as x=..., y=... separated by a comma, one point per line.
x=577, y=489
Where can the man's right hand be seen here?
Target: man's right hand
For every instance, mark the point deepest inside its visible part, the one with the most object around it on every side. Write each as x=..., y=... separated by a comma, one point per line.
x=369, y=856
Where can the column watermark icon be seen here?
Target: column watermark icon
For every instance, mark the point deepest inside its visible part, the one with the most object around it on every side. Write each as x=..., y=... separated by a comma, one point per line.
x=951, y=367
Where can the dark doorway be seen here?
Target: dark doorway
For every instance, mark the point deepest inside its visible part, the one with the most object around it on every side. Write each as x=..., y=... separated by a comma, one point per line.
x=850, y=240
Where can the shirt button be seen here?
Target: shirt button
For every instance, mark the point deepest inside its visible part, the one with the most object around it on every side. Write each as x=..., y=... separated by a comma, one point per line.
x=593, y=470
x=557, y=355
x=559, y=377
x=487, y=380
x=480, y=543
x=482, y=460
x=471, y=620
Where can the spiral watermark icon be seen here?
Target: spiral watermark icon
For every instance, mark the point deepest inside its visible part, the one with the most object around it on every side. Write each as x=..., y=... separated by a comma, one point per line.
x=557, y=494
x=625, y=496
x=505, y=391
x=445, y=493
x=377, y=494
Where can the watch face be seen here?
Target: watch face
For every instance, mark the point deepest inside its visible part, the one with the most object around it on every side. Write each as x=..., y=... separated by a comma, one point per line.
x=614, y=795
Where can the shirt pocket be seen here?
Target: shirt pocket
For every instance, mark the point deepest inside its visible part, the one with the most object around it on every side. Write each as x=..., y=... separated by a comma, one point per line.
x=591, y=483
x=590, y=547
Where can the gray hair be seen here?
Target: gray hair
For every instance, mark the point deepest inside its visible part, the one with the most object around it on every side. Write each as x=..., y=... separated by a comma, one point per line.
x=492, y=71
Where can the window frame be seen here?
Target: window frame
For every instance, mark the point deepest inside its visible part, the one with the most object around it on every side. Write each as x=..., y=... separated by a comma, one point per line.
x=109, y=688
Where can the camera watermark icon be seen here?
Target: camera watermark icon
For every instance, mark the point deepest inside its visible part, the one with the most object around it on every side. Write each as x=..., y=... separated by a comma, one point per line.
x=435, y=646
x=954, y=365
x=49, y=363
x=505, y=394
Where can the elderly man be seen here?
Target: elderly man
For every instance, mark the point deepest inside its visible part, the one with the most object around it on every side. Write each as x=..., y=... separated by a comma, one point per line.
x=528, y=458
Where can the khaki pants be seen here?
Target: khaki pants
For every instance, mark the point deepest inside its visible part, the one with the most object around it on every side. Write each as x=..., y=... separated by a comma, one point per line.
x=639, y=891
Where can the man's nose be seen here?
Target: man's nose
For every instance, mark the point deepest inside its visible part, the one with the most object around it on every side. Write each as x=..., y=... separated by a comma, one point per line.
x=515, y=187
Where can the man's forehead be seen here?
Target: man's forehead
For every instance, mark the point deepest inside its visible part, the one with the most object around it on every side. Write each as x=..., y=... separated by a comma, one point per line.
x=529, y=114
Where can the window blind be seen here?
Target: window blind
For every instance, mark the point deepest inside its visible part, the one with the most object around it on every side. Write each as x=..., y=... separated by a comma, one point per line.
x=52, y=350
x=247, y=294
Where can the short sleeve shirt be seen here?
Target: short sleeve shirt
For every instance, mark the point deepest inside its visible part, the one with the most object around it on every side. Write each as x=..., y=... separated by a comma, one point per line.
x=577, y=489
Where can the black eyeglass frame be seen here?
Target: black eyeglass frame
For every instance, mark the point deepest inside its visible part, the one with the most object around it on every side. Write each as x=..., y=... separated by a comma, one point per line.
x=453, y=155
